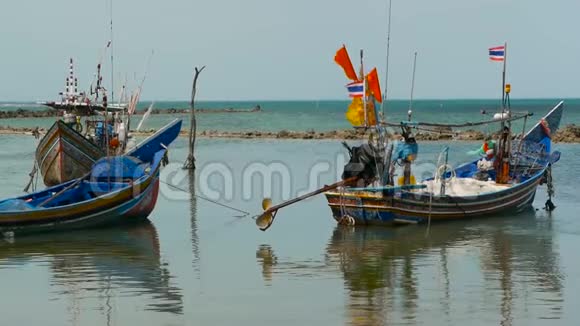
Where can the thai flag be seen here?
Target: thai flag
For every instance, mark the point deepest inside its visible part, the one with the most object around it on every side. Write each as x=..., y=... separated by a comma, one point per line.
x=356, y=89
x=497, y=53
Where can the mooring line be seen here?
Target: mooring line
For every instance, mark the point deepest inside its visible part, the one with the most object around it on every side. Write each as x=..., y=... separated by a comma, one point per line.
x=209, y=200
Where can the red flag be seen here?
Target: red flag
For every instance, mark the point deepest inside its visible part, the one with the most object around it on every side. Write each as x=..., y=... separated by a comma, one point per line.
x=374, y=86
x=343, y=60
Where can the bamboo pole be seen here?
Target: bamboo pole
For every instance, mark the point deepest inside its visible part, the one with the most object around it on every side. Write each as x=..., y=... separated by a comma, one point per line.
x=190, y=162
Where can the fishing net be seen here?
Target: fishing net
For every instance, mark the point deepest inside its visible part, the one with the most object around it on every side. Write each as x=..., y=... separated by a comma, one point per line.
x=528, y=157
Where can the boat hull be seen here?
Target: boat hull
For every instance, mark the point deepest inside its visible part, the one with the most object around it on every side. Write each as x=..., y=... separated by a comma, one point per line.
x=130, y=205
x=404, y=207
x=63, y=154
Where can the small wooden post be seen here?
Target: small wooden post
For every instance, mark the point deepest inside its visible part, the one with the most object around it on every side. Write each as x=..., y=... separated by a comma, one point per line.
x=190, y=162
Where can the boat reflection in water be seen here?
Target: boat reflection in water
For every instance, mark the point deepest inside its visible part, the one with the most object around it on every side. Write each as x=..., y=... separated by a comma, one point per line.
x=101, y=264
x=499, y=270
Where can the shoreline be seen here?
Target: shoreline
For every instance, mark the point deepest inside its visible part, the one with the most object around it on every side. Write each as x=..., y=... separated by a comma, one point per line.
x=49, y=113
x=567, y=134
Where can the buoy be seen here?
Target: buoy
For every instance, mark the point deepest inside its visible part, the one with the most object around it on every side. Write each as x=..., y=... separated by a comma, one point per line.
x=500, y=116
x=114, y=143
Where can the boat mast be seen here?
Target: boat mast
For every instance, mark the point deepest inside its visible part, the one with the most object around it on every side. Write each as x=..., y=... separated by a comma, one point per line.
x=406, y=129
x=503, y=157
x=410, y=113
x=385, y=173
x=112, y=66
x=384, y=104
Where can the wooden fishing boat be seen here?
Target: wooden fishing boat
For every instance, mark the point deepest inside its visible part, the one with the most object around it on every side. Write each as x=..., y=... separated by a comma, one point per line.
x=69, y=148
x=64, y=154
x=503, y=180
x=117, y=189
x=437, y=199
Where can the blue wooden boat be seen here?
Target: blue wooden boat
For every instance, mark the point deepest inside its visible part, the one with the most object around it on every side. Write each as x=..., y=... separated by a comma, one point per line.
x=118, y=189
x=530, y=161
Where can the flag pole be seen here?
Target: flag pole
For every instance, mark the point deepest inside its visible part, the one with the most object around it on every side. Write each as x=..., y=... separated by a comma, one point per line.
x=362, y=77
x=502, y=159
x=503, y=78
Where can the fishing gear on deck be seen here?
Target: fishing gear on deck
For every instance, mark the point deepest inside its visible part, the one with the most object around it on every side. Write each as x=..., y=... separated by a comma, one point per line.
x=365, y=162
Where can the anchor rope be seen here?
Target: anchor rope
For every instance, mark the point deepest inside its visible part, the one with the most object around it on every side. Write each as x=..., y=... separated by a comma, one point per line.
x=208, y=199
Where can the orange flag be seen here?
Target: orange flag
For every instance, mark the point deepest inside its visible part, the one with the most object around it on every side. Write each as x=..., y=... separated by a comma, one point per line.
x=343, y=60
x=374, y=85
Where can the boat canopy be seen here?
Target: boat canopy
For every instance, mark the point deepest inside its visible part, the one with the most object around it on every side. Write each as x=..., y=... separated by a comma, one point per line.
x=118, y=167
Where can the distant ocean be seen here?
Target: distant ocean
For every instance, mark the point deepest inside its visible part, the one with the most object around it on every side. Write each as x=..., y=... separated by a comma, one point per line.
x=322, y=115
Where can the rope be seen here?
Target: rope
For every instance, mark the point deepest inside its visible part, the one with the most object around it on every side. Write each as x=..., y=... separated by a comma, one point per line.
x=442, y=191
x=430, y=210
x=207, y=199
x=341, y=203
x=550, y=182
x=345, y=219
x=30, y=183
x=549, y=206
x=467, y=124
x=33, y=182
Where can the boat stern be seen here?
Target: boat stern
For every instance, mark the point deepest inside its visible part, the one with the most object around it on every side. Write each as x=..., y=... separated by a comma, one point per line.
x=359, y=208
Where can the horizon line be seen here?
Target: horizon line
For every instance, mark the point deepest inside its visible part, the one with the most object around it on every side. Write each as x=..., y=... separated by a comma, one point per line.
x=323, y=100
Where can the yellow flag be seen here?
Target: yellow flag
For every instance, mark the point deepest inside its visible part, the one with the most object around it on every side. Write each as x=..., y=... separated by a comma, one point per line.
x=355, y=114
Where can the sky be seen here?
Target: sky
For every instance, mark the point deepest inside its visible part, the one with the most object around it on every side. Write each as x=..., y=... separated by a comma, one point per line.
x=284, y=49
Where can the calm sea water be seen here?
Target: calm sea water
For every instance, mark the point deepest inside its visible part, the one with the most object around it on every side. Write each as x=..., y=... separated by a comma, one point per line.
x=325, y=115
x=196, y=263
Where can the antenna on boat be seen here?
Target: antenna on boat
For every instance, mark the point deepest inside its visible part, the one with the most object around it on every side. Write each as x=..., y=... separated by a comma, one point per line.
x=384, y=103
x=410, y=112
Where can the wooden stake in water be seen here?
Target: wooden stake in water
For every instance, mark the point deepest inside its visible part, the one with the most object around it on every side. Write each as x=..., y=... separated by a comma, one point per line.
x=190, y=162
